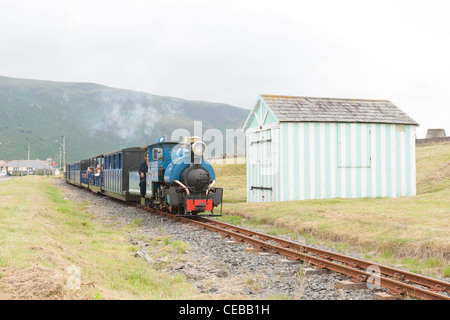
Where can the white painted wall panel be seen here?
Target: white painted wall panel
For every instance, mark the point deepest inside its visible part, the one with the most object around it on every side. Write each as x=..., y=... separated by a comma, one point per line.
x=328, y=160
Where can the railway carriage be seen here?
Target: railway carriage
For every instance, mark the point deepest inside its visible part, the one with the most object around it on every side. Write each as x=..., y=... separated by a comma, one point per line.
x=74, y=171
x=70, y=171
x=120, y=173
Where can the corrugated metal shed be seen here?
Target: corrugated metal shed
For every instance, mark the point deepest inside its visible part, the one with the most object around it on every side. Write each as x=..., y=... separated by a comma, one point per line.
x=301, y=148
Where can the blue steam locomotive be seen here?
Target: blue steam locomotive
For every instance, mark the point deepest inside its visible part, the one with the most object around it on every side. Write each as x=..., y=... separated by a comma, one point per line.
x=179, y=179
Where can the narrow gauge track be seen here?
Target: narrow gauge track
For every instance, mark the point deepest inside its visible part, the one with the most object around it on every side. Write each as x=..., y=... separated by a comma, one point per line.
x=397, y=281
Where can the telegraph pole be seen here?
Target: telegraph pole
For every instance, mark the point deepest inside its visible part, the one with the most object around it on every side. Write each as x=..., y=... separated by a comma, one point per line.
x=64, y=151
x=28, y=152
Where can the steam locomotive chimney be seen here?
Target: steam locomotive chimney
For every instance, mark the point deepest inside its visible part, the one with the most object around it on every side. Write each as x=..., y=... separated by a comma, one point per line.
x=194, y=158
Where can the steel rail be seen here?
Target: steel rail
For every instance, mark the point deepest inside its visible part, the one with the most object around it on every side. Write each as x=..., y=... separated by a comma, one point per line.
x=359, y=275
x=433, y=284
x=395, y=287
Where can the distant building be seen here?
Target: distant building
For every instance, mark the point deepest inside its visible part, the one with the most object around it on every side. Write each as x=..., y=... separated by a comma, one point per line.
x=434, y=136
x=24, y=165
x=435, y=133
x=301, y=148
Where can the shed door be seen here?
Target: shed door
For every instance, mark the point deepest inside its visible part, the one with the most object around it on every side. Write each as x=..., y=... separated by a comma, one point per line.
x=261, y=183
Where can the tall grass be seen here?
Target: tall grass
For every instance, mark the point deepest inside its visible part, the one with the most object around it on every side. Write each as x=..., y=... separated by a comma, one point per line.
x=40, y=230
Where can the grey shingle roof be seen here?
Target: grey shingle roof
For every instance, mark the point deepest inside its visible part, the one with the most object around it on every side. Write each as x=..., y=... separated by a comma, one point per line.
x=307, y=109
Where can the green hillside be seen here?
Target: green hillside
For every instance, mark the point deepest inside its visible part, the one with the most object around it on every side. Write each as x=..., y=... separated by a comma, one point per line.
x=95, y=118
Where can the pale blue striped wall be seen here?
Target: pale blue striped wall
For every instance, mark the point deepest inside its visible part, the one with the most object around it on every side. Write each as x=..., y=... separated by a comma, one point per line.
x=329, y=160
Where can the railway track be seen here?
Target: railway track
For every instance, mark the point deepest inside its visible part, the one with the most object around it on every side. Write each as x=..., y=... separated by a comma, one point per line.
x=397, y=281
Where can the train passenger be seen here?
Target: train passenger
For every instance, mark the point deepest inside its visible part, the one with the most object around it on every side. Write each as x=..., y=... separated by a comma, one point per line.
x=143, y=169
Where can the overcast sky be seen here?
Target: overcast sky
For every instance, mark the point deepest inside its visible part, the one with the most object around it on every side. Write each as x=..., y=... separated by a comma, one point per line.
x=231, y=51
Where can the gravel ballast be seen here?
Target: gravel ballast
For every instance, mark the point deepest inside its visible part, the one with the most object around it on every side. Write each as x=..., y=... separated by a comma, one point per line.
x=213, y=265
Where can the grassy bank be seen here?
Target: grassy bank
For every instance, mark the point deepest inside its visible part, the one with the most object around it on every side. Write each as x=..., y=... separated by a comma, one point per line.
x=232, y=178
x=412, y=232
x=49, y=246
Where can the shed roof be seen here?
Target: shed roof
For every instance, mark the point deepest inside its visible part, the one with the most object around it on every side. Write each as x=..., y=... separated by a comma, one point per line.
x=308, y=109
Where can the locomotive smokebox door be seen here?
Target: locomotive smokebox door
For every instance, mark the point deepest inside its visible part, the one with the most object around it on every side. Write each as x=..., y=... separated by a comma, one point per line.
x=197, y=178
